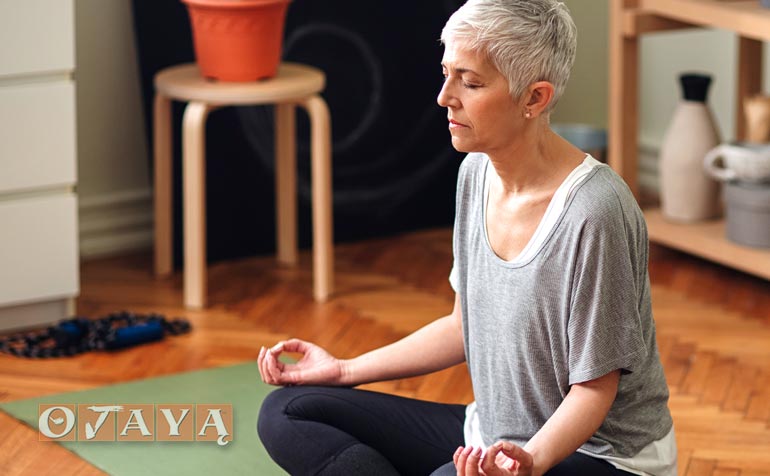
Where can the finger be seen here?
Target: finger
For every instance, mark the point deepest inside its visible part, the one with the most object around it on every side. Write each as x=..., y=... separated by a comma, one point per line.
x=472, y=463
x=272, y=367
x=265, y=370
x=517, y=453
x=460, y=462
x=296, y=345
x=462, y=459
x=457, y=454
x=260, y=358
x=489, y=461
x=277, y=348
x=276, y=352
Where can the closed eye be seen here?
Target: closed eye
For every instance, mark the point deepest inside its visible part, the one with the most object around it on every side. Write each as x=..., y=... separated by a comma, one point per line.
x=466, y=85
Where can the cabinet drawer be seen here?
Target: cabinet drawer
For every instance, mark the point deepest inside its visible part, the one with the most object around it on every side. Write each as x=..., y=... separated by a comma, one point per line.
x=37, y=135
x=38, y=249
x=36, y=36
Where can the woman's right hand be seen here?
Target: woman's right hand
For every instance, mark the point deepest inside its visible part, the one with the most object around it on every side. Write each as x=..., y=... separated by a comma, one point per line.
x=316, y=367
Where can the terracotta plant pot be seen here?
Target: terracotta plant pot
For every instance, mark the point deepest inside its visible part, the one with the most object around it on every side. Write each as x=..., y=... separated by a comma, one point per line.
x=237, y=40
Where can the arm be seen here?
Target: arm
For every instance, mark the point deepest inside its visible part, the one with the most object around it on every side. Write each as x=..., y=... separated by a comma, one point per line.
x=578, y=417
x=435, y=346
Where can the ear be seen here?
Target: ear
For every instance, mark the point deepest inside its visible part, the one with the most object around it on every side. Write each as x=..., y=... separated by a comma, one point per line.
x=538, y=97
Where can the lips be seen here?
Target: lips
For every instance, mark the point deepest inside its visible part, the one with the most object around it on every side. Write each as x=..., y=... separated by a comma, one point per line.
x=453, y=123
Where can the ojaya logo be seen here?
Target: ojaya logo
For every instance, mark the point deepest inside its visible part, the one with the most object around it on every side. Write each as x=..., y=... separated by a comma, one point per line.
x=130, y=422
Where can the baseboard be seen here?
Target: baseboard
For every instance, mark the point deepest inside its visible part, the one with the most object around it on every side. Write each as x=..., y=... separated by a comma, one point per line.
x=648, y=168
x=34, y=315
x=115, y=223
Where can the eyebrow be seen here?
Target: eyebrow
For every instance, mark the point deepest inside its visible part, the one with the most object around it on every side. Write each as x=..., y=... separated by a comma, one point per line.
x=460, y=70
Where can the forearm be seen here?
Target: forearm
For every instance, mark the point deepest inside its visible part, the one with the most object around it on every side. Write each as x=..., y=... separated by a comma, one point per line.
x=436, y=346
x=578, y=417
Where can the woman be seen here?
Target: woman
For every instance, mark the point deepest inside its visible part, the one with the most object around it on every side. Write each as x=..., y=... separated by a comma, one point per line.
x=552, y=311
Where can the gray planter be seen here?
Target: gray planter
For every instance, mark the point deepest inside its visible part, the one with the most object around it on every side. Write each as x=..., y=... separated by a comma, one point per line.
x=748, y=213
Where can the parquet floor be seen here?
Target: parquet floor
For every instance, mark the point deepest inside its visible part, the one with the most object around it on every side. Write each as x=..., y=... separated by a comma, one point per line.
x=713, y=330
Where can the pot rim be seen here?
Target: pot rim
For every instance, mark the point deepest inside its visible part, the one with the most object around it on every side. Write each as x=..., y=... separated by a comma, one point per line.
x=232, y=4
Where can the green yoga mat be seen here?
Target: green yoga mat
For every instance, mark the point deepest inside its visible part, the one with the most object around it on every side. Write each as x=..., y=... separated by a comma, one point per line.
x=238, y=385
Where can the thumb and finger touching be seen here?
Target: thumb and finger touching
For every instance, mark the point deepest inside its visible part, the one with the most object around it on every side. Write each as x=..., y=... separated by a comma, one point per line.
x=315, y=367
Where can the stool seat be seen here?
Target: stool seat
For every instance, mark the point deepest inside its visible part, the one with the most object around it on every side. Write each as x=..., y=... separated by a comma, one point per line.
x=294, y=85
x=185, y=83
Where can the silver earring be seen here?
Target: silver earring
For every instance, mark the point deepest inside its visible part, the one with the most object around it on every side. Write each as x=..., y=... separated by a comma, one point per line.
x=528, y=115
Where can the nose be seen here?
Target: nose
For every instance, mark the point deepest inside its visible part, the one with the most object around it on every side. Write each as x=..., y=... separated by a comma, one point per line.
x=444, y=95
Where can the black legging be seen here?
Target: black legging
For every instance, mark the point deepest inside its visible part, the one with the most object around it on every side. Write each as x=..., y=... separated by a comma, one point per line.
x=342, y=431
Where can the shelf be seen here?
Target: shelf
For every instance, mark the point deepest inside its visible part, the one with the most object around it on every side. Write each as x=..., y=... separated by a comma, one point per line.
x=630, y=20
x=707, y=240
x=747, y=18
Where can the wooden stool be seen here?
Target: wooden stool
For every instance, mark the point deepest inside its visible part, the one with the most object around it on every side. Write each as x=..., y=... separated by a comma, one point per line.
x=294, y=85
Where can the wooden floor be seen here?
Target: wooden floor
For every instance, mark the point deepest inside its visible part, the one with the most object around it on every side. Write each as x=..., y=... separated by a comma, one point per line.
x=713, y=330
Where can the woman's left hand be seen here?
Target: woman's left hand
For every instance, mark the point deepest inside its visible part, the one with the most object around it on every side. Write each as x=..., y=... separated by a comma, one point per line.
x=501, y=459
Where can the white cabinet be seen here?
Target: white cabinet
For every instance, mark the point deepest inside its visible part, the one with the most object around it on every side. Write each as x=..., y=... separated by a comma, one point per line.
x=37, y=135
x=39, y=248
x=38, y=206
x=36, y=36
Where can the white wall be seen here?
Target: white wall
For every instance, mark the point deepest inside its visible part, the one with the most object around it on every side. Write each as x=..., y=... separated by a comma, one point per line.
x=585, y=100
x=113, y=185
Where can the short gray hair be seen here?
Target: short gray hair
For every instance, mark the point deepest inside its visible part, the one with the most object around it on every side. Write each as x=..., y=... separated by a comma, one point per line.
x=526, y=40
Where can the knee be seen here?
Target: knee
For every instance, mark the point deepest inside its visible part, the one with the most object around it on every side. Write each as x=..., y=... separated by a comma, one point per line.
x=285, y=405
x=287, y=417
x=272, y=413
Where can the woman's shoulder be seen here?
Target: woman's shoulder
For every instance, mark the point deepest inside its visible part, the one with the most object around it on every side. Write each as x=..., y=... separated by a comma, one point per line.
x=604, y=195
x=604, y=180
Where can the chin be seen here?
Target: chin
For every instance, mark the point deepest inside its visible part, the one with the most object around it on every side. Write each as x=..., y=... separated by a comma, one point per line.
x=459, y=146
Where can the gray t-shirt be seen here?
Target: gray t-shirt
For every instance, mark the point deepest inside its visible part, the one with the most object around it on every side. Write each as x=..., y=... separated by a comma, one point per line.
x=577, y=310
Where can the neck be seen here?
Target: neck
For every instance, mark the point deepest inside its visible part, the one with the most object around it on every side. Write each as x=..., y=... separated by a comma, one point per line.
x=536, y=163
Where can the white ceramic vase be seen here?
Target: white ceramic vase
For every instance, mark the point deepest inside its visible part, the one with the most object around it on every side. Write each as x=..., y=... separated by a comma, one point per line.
x=687, y=192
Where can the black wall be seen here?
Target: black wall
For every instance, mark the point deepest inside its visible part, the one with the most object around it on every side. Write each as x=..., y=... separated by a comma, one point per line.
x=394, y=167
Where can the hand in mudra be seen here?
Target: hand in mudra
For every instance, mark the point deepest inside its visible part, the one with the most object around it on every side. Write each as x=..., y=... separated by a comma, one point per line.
x=316, y=367
x=501, y=459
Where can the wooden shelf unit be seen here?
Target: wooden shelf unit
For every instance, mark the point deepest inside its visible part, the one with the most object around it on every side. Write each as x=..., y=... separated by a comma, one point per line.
x=629, y=19
x=706, y=239
x=747, y=18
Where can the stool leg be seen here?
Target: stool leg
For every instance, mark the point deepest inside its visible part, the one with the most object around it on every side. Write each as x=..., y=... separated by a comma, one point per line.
x=194, y=166
x=286, y=183
x=163, y=185
x=323, y=254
